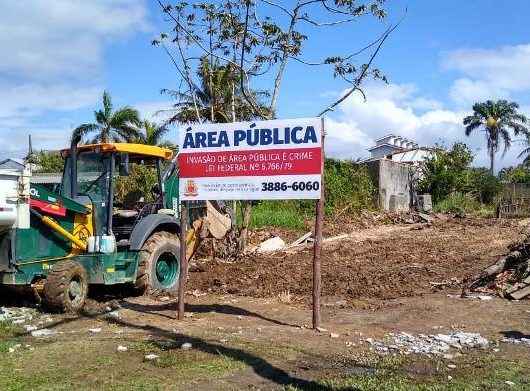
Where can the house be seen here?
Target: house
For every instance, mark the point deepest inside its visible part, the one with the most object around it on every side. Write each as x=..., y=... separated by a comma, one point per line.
x=12, y=164
x=389, y=145
x=393, y=166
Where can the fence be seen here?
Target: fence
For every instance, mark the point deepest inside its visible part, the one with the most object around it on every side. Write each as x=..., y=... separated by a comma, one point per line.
x=515, y=200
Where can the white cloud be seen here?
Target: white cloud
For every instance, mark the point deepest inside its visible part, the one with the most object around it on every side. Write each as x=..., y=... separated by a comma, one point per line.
x=489, y=73
x=42, y=38
x=52, y=62
x=391, y=109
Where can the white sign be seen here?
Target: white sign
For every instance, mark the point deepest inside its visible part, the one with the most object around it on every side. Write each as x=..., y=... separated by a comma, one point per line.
x=277, y=159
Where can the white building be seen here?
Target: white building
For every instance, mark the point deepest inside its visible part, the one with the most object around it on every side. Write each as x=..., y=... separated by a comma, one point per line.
x=389, y=145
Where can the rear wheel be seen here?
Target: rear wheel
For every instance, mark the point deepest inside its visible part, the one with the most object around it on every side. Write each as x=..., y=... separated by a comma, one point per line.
x=159, y=264
x=66, y=287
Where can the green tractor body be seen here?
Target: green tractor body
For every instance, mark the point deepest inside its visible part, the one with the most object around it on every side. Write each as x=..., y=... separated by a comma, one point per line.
x=59, y=244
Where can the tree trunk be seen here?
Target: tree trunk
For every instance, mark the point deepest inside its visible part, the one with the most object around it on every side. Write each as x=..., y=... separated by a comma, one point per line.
x=492, y=161
x=243, y=234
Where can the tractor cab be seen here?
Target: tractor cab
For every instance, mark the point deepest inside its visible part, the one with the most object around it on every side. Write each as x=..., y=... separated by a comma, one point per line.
x=96, y=176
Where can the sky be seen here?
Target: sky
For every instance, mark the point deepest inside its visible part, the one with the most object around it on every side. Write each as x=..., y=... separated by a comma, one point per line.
x=59, y=55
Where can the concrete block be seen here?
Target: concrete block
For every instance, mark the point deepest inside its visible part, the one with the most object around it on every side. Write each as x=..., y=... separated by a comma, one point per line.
x=425, y=202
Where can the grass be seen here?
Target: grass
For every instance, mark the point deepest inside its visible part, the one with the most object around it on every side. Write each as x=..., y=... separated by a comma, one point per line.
x=473, y=373
x=462, y=204
x=284, y=214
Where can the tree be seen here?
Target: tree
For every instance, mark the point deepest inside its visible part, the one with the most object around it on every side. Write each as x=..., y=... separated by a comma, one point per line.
x=153, y=134
x=254, y=41
x=496, y=119
x=445, y=172
x=48, y=162
x=215, y=96
x=111, y=126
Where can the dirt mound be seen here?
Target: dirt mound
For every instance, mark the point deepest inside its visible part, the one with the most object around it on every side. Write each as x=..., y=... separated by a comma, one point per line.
x=402, y=262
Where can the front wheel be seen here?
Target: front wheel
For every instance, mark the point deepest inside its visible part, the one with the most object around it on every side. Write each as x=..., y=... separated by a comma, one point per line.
x=159, y=264
x=66, y=287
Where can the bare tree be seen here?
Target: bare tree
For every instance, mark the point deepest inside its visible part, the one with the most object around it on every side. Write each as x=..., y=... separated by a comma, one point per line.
x=259, y=38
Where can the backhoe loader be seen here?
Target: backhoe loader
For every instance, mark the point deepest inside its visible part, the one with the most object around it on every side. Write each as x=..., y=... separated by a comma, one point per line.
x=61, y=243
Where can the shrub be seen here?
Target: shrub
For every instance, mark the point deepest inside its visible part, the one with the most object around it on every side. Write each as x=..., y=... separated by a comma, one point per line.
x=348, y=185
x=446, y=172
x=139, y=183
x=461, y=204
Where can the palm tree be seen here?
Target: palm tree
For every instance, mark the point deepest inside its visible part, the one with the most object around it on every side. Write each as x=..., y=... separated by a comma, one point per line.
x=496, y=119
x=217, y=98
x=153, y=134
x=111, y=126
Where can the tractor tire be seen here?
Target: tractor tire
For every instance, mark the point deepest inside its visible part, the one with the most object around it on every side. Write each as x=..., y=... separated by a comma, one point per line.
x=159, y=264
x=66, y=287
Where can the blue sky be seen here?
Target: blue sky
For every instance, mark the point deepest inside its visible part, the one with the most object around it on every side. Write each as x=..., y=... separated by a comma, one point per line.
x=60, y=55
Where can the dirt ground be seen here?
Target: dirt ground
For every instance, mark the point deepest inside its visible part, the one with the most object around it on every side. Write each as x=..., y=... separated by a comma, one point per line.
x=383, y=262
x=248, y=323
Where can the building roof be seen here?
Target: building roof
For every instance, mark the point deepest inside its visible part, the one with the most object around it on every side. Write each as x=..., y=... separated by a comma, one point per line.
x=46, y=178
x=12, y=164
x=385, y=145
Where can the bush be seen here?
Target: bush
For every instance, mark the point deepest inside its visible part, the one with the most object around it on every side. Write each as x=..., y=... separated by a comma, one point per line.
x=484, y=186
x=348, y=185
x=446, y=172
x=461, y=204
x=139, y=183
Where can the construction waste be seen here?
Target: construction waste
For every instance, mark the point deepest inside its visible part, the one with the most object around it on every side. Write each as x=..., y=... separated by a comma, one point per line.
x=509, y=277
x=437, y=344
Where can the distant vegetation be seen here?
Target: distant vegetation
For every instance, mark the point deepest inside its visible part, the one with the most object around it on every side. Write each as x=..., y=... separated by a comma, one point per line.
x=455, y=186
x=348, y=190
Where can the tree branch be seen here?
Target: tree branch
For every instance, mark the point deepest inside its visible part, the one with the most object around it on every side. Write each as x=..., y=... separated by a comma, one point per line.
x=359, y=79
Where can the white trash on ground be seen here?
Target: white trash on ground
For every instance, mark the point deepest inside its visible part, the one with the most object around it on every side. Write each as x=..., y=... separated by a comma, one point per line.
x=437, y=344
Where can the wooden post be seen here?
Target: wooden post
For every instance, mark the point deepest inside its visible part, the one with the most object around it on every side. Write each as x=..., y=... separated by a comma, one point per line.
x=317, y=281
x=183, y=276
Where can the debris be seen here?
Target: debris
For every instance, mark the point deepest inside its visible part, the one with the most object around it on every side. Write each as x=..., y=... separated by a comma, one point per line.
x=186, y=346
x=510, y=383
x=321, y=329
x=151, y=356
x=302, y=239
x=334, y=335
x=113, y=315
x=121, y=348
x=437, y=344
x=270, y=245
x=517, y=341
x=188, y=314
x=95, y=330
x=509, y=276
x=449, y=377
x=43, y=333
x=451, y=366
x=30, y=327
x=425, y=217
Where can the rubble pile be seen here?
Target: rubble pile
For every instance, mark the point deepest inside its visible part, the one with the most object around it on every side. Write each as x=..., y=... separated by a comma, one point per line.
x=509, y=277
x=17, y=315
x=437, y=344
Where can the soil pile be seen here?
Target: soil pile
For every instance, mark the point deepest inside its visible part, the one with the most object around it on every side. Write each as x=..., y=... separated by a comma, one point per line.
x=407, y=261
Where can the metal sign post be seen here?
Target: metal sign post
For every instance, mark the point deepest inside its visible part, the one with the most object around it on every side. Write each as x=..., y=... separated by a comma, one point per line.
x=317, y=248
x=183, y=276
